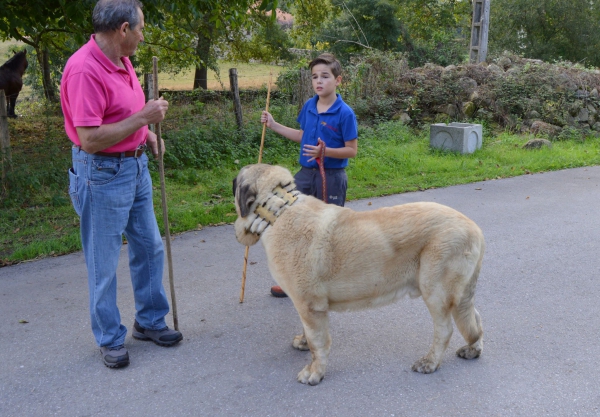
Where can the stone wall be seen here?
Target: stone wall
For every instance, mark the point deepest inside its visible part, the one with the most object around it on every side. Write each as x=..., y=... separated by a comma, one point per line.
x=516, y=93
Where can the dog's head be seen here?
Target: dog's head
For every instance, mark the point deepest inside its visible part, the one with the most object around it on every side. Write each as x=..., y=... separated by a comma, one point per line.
x=252, y=187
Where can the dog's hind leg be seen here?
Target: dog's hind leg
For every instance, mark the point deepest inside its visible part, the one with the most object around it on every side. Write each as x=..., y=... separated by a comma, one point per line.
x=442, y=331
x=316, y=332
x=468, y=321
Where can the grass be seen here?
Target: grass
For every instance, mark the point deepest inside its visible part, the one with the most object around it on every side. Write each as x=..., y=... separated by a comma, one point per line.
x=205, y=151
x=37, y=220
x=4, y=49
x=249, y=76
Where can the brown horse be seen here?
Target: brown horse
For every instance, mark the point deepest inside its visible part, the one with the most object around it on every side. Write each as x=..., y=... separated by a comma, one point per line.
x=11, y=79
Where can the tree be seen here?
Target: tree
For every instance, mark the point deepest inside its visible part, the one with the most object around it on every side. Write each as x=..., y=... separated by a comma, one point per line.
x=547, y=29
x=180, y=32
x=426, y=30
x=45, y=25
x=54, y=29
x=196, y=32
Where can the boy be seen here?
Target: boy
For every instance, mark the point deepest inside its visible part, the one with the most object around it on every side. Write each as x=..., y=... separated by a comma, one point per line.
x=328, y=118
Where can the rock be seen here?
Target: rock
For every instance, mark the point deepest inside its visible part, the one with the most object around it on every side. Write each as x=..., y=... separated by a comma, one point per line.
x=484, y=114
x=575, y=107
x=537, y=144
x=469, y=108
x=495, y=69
x=449, y=109
x=533, y=115
x=505, y=62
x=441, y=118
x=583, y=115
x=468, y=85
x=514, y=71
x=539, y=127
x=566, y=83
x=449, y=71
x=402, y=117
x=431, y=66
x=570, y=120
x=592, y=109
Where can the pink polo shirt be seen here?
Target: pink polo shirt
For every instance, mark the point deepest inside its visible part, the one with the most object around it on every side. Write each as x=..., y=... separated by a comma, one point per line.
x=94, y=91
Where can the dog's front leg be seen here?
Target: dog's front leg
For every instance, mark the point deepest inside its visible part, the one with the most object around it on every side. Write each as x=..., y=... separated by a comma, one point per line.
x=316, y=333
x=300, y=342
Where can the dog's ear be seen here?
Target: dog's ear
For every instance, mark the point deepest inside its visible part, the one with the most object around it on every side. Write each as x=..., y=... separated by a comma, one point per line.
x=245, y=199
x=234, y=186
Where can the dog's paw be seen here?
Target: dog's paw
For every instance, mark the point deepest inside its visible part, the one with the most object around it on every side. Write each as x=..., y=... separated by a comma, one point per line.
x=306, y=376
x=469, y=352
x=425, y=366
x=300, y=342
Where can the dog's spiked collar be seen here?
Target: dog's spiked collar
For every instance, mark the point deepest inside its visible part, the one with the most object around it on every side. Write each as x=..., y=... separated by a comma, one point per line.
x=267, y=213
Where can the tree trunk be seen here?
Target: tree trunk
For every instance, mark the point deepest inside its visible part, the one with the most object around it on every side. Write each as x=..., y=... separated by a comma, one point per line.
x=203, y=52
x=47, y=84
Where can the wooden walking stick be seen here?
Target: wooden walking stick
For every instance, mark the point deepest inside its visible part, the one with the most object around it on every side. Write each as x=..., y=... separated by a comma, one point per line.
x=161, y=168
x=262, y=144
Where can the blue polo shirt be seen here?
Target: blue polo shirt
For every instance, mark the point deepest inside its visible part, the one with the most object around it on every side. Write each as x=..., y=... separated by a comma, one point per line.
x=335, y=127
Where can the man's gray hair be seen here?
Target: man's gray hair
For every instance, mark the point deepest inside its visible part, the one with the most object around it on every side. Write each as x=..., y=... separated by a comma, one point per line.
x=109, y=15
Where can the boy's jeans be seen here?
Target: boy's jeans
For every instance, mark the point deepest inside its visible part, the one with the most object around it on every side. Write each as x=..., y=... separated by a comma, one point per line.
x=113, y=197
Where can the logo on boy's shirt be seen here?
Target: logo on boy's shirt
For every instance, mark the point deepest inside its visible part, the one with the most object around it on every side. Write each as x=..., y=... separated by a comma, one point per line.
x=329, y=127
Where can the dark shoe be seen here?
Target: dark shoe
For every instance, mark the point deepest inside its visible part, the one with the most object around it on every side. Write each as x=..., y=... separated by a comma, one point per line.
x=162, y=337
x=276, y=291
x=115, y=357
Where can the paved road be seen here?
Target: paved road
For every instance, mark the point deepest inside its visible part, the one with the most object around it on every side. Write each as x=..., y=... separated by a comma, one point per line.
x=538, y=296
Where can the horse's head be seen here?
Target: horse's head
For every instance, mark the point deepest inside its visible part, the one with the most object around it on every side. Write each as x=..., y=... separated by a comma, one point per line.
x=22, y=59
x=17, y=63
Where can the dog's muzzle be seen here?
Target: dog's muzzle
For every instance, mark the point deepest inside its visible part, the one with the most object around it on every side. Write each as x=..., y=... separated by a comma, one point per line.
x=268, y=212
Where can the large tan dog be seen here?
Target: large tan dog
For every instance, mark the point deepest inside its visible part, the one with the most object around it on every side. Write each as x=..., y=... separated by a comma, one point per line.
x=330, y=258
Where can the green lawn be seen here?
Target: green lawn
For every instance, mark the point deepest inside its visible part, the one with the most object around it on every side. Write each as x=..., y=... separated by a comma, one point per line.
x=391, y=159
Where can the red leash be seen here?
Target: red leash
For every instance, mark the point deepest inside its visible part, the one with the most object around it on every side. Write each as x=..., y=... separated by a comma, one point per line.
x=321, y=162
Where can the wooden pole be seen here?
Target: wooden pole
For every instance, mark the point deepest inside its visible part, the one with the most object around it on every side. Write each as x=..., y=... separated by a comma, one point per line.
x=262, y=144
x=163, y=192
x=262, y=138
x=4, y=138
x=237, y=104
x=305, y=90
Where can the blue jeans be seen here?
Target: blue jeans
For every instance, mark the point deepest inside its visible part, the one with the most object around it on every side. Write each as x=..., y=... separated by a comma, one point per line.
x=113, y=197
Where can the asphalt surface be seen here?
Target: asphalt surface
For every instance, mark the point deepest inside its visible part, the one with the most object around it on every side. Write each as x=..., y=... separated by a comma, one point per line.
x=538, y=296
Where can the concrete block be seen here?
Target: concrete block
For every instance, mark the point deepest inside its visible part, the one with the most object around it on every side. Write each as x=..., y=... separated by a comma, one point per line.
x=458, y=137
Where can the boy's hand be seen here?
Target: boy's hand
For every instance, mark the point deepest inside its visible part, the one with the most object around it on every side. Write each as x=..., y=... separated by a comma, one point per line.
x=267, y=118
x=313, y=151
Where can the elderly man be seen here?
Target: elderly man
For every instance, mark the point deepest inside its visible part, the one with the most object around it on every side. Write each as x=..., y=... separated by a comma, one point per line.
x=106, y=118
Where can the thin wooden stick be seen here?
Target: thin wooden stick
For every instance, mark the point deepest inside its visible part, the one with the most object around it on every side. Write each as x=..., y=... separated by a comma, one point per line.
x=163, y=193
x=262, y=138
x=260, y=152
